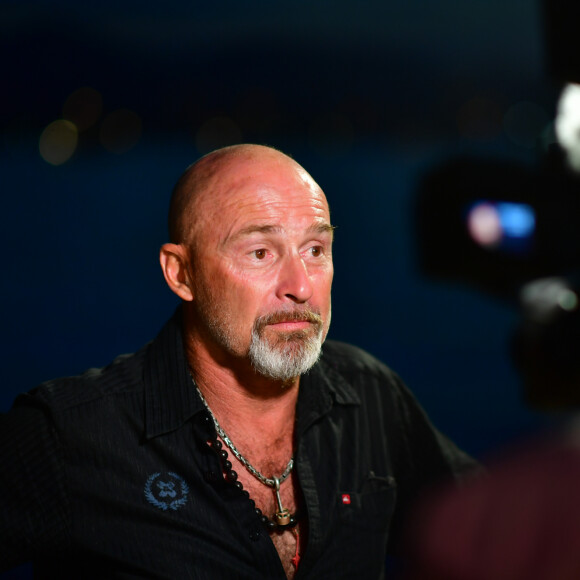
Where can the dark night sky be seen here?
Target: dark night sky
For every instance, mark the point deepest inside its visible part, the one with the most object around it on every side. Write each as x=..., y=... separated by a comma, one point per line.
x=391, y=68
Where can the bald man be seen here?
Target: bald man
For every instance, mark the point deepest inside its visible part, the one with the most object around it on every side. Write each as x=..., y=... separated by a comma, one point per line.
x=233, y=445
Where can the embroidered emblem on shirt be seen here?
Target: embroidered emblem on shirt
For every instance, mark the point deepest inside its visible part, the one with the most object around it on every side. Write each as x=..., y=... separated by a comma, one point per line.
x=167, y=491
x=346, y=499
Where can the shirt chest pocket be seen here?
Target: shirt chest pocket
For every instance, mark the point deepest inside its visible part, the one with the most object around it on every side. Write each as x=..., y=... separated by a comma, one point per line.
x=358, y=534
x=371, y=507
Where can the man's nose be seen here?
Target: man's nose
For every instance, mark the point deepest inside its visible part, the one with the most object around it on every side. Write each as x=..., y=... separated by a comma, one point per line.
x=294, y=281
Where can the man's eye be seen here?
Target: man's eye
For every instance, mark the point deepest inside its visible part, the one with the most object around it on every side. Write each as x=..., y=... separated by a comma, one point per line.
x=260, y=254
x=316, y=251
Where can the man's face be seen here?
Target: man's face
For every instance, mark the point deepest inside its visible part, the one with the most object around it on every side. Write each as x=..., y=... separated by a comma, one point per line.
x=262, y=266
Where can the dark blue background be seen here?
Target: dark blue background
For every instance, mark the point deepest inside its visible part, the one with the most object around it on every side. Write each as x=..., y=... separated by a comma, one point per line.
x=366, y=95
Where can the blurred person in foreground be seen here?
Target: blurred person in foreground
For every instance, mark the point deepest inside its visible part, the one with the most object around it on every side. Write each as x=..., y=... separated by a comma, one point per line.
x=521, y=521
x=234, y=445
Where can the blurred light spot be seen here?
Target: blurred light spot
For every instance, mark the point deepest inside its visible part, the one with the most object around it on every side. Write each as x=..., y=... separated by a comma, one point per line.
x=331, y=135
x=524, y=123
x=484, y=225
x=567, y=124
x=489, y=223
x=479, y=118
x=120, y=131
x=58, y=142
x=217, y=132
x=517, y=219
x=568, y=300
x=543, y=298
x=83, y=107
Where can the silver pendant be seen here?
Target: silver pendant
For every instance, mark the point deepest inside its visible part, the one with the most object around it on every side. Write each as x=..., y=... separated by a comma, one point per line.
x=282, y=515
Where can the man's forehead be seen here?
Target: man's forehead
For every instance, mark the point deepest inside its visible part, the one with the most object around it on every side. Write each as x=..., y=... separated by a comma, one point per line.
x=274, y=215
x=265, y=178
x=271, y=191
x=260, y=189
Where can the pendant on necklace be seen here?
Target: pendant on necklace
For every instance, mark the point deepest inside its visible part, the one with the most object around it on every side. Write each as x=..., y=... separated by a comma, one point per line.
x=282, y=515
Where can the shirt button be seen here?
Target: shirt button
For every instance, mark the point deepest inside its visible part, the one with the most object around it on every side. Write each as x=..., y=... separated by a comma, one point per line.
x=255, y=534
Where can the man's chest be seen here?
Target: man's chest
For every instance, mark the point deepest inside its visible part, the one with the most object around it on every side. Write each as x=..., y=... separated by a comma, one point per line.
x=162, y=508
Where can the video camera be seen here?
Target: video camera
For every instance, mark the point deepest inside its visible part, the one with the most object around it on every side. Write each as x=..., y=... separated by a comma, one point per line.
x=513, y=230
x=498, y=225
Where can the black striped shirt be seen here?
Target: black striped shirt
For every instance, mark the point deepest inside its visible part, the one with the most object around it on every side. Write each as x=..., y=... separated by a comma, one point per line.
x=108, y=474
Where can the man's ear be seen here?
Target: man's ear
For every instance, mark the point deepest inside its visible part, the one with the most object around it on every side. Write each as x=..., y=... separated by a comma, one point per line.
x=174, y=263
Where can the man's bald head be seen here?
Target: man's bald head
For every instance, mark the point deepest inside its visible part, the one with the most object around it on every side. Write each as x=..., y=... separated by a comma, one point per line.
x=200, y=177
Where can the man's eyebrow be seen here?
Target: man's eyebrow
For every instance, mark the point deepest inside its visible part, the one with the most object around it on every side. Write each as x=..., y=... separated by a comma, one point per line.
x=322, y=229
x=272, y=229
x=257, y=229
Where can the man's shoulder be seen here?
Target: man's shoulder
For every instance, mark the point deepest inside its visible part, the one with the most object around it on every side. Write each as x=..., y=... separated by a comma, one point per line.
x=122, y=375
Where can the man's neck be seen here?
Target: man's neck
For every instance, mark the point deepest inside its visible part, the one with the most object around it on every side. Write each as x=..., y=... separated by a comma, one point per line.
x=240, y=398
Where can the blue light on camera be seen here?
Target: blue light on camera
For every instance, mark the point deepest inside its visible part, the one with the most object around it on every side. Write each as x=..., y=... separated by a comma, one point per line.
x=518, y=220
x=502, y=225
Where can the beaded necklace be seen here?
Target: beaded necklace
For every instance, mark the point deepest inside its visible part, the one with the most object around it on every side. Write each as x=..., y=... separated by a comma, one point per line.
x=283, y=518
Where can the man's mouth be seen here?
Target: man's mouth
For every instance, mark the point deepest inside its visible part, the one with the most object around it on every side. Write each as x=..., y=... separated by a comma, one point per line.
x=289, y=321
x=291, y=324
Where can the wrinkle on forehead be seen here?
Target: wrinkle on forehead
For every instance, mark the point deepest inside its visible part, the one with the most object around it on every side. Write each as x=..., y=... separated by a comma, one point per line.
x=262, y=198
x=268, y=211
x=256, y=194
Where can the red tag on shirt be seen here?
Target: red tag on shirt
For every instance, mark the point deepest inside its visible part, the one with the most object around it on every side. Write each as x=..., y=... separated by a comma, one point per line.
x=346, y=499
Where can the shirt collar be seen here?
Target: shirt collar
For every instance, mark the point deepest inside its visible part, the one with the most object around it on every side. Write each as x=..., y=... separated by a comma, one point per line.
x=171, y=400
x=320, y=389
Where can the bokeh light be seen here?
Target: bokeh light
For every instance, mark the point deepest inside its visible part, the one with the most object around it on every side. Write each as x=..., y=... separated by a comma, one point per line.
x=120, y=131
x=58, y=142
x=543, y=298
x=567, y=125
x=493, y=223
x=217, y=132
x=484, y=225
x=517, y=219
x=83, y=107
x=568, y=300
